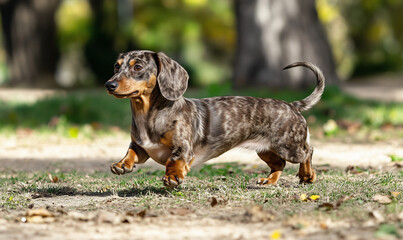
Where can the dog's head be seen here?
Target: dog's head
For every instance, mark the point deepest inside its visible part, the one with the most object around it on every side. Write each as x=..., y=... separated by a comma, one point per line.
x=138, y=72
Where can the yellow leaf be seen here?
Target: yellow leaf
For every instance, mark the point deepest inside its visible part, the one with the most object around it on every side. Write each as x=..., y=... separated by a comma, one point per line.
x=314, y=197
x=276, y=234
x=303, y=197
x=395, y=194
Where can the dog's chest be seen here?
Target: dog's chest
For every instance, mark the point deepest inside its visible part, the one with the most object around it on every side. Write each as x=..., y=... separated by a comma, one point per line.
x=150, y=144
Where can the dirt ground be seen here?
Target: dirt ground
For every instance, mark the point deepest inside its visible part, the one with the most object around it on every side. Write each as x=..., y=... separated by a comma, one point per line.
x=50, y=153
x=86, y=217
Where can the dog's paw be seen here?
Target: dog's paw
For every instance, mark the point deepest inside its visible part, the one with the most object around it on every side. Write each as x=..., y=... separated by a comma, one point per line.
x=122, y=167
x=307, y=178
x=266, y=181
x=172, y=181
x=175, y=173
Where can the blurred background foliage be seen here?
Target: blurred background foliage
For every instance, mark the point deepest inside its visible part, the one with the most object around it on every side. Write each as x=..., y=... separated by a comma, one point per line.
x=366, y=36
x=198, y=33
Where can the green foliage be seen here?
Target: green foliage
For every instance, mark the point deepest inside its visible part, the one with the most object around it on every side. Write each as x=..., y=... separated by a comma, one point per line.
x=83, y=112
x=199, y=34
x=73, y=20
x=366, y=36
x=395, y=158
x=64, y=113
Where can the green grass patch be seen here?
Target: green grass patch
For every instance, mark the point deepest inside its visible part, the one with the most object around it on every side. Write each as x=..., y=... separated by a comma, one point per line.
x=233, y=184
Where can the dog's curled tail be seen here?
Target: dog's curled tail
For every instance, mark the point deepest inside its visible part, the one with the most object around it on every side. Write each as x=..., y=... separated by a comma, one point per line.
x=308, y=102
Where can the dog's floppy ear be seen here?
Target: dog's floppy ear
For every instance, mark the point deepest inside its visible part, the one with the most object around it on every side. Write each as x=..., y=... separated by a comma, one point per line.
x=172, y=77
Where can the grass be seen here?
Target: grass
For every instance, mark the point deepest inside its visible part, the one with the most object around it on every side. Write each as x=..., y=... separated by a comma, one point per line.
x=226, y=193
x=233, y=184
x=83, y=112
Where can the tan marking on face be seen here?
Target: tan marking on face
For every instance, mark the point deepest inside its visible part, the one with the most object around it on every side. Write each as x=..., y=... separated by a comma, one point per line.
x=127, y=87
x=132, y=62
x=141, y=102
x=120, y=61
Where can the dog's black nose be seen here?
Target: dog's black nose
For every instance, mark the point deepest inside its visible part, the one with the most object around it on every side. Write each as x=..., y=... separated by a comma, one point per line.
x=111, y=86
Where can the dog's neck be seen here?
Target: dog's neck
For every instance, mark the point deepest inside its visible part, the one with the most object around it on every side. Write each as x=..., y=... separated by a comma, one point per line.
x=140, y=105
x=143, y=104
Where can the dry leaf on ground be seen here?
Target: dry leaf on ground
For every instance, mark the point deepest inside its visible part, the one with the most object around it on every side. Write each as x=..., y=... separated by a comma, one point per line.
x=39, y=215
x=258, y=214
x=180, y=211
x=381, y=199
x=53, y=179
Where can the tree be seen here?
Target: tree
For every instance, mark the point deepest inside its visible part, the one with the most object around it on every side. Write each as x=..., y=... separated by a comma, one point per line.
x=30, y=41
x=107, y=38
x=273, y=34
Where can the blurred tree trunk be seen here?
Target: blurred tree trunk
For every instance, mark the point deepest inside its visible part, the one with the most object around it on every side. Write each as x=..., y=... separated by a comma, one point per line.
x=107, y=39
x=29, y=33
x=273, y=34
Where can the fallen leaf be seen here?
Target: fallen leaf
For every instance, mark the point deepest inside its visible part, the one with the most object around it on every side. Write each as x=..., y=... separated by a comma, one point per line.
x=106, y=217
x=218, y=200
x=42, y=212
x=342, y=200
x=53, y=179
x=378, y=216
x=398, y=165
x=79, y=216
x=331, y=206
x=303, y=197
x=355, y=170
x=314, y=197
x=323, y=225
x=381, y=199
x=395, y=194
x=276, y=234
x=257, y=214
x=39, y=215
x=142, y=214
x=213, y=201
x=180, y=211
x=328, y=206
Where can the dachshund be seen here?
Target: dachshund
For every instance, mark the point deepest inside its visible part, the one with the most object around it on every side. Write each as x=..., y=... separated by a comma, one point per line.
x=176, y=131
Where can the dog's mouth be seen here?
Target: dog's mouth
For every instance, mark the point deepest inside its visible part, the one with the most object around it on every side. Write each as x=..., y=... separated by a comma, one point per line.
x=130, y=95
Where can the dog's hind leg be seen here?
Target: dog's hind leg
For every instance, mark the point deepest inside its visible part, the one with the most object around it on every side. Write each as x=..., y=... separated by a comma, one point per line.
x=306, y=173
x=276, y=165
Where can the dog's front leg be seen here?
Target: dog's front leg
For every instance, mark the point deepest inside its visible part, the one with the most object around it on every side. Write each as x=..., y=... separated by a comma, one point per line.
x=134, y=155
x=178, y=165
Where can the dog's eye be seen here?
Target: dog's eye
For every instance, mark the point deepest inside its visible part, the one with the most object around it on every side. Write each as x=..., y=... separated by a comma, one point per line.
x=137, y=67
x=116, y=67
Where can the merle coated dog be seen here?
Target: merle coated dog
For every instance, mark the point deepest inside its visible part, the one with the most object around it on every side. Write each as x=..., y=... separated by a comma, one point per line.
x=176, y=131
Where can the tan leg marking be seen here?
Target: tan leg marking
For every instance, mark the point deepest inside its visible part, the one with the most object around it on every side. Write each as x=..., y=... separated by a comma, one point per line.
x=276, y=165
x=306, y=173
x=125, y=165
x=167, y=138
x=175, y=172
